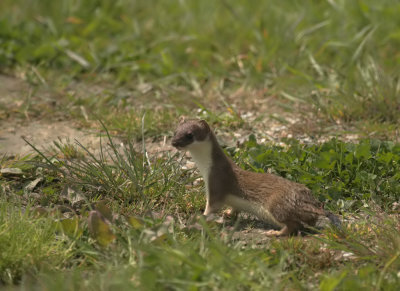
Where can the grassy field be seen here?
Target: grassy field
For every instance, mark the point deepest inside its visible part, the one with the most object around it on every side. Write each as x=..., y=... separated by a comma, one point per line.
x=127, y=218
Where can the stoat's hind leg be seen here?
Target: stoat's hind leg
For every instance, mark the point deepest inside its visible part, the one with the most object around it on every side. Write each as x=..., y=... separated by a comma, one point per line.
x=288, y=229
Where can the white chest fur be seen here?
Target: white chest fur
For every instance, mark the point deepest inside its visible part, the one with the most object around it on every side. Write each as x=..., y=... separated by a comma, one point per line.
x=202, y=155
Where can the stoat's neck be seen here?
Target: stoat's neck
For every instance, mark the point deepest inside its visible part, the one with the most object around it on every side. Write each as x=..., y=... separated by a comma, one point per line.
x=207, y=154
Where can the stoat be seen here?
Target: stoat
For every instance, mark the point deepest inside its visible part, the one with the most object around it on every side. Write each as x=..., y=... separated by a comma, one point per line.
x=269, y=197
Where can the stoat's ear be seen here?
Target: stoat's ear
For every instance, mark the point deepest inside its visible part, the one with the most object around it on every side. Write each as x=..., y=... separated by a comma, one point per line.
x=181, y=119
x=205, y=124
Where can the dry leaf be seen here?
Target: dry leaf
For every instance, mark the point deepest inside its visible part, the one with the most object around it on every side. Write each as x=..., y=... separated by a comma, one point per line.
x=100, y=229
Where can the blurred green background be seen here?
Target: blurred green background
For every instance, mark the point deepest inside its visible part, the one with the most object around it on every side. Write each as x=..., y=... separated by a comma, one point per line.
x=248, y=40
x=342, y=57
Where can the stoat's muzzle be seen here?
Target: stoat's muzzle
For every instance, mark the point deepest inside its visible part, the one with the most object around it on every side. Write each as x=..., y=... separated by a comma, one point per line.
x=180, y=141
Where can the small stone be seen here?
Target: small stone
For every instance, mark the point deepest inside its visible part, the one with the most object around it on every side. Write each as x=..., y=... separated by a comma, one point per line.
x=144, y=88
x=11, y=172
x=347, y=255
x=32, y=185
x=190, y=165
x=198, y=181
x=75, y=198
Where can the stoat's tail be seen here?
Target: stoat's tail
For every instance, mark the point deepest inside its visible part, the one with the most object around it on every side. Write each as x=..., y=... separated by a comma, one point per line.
x=335, y=220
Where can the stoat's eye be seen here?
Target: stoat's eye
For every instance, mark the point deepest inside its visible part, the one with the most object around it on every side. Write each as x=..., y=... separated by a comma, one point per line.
x=189, y=135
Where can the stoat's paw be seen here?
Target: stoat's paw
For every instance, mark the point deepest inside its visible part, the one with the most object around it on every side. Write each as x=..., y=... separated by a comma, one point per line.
x=230, y=213
x=272, y=233
x=282, y=232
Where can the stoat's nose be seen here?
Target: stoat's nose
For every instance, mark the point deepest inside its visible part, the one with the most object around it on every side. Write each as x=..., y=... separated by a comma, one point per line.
x=181, y=141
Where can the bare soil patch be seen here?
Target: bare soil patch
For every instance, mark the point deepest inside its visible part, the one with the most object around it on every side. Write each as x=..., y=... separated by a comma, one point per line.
x=42, y=134
x=21, y=116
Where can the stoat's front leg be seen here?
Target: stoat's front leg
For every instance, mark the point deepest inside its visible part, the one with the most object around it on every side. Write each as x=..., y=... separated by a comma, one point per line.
x=213, y=204
x=211, y=208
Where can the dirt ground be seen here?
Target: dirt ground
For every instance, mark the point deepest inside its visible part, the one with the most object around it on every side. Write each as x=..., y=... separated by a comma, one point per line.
x=26, y=112
x=16, y=123
x=41, y=134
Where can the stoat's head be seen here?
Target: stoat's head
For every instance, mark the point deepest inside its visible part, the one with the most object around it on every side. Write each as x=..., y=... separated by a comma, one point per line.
x=190, y=132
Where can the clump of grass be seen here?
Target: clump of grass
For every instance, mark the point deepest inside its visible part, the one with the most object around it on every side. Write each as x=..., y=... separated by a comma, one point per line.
x=125, y=174
x=27, y=244
x=67, y=150
x=381, y=239
x=374, y=245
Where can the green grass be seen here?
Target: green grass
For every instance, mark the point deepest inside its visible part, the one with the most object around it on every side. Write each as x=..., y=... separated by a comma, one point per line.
x=28, y=244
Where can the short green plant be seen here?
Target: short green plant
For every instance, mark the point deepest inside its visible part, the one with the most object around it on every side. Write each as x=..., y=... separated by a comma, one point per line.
x=350, y=174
